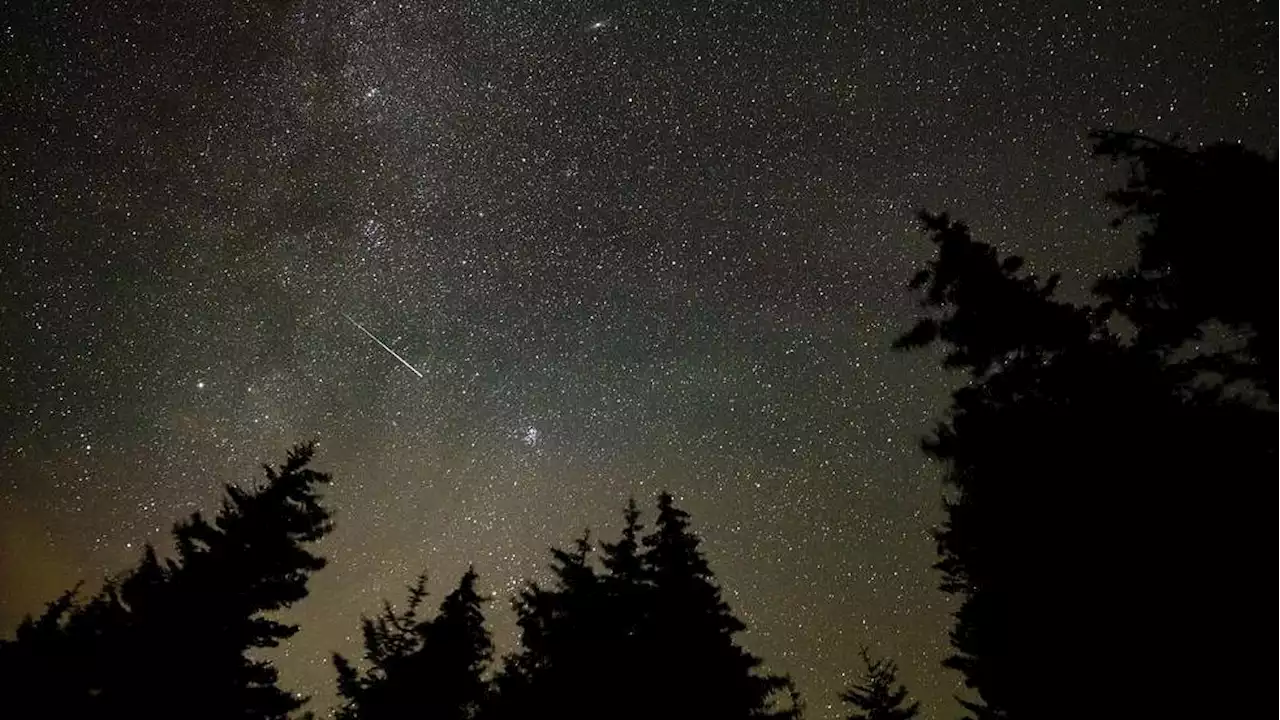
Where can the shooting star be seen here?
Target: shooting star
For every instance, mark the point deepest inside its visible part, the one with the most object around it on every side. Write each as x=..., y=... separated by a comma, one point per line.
x=383, y=345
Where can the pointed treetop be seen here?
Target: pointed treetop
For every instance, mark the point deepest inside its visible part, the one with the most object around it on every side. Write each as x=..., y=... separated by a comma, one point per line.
x=622, y=559
x=673, y=546
x=875, y=697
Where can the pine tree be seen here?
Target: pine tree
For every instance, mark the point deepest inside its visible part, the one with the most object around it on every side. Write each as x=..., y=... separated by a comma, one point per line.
x=461, y=650
x=875, y=697
x=173, y=638
x=622, y=559
x=628, y=593
x=390, y=639
x=1073, y=451
x=701, y=670
x=558, y=669
x=648, y=637
x=44, y=671
x=625, y=637
x=1206, y=251
x=422, y=668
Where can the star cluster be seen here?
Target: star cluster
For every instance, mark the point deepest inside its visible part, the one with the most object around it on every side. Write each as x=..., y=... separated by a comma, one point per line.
x=628, y=246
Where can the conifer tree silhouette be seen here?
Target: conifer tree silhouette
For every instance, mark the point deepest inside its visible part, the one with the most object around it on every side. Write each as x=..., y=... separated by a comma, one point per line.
x=390, y=639
x=558, y=668
x=172, y=638
x=704, y=672
x=648, y=636
x=1206, y=251
x=623, y=559
x=627, y=634
x=1074, y=448
x=432, y=669
x=875, y=697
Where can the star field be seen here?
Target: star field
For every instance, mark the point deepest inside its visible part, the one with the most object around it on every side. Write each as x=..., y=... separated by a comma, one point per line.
x=628, y=246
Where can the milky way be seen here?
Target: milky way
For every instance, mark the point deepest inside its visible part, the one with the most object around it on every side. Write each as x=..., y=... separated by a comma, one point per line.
x=628, y=247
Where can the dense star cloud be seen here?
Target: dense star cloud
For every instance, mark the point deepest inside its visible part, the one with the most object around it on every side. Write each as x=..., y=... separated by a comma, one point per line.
x=511, y=263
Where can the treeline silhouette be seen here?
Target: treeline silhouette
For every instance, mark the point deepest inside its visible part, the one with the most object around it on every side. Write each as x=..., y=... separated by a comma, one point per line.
x=641, y=633
x=170, y=639
x=1103, y=530
x=173, y=638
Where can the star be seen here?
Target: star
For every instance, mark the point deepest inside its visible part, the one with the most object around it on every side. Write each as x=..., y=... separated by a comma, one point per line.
x=670, y=254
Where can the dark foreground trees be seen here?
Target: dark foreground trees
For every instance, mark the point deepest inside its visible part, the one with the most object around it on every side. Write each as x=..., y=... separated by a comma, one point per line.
x=655, y=614
x=1105, y=529
x=879, y=695
x=417, y=667
x=172, y=638
x=638, y=631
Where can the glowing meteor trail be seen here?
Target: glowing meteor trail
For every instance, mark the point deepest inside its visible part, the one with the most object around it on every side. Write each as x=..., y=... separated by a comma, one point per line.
x=394, y=354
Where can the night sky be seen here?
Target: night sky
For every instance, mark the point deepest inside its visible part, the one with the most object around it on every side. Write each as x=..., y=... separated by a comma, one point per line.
x=618, y=247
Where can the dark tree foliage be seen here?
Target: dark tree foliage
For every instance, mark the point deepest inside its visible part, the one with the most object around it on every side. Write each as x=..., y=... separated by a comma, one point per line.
x=560, y=667
x=1207, y=250
x=875, y=697
x=648, y=636
x=706, y=673
x=629, y=595
x=390, y=639
x=1101, y=533
x=431, y=669
x=174, y=638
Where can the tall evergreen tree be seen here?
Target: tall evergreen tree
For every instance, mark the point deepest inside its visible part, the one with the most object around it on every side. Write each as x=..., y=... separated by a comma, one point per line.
x=462, y=651
x=649, y=636
x=875, y=697
x=626, y=638
x=558, y=669
x=1206, y=251
x=1073, y=452
x=432, y=669
x=702, y=671
x=628, y=594
x=173, y=638
x=623, y=559
x=390, y=639
x=44, y=670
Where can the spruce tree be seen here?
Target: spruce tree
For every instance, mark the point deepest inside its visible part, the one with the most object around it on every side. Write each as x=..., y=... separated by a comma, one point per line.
x=432, y=669
x=627, y=592
x=626, y=636
x=390, y=639
x=623, y=559
x=558, y=669
x=1206, y=251
x=174, y=638
x=875, y=697
x=1081, y=448
x=45, y=669
x=699, y=669
x=461, y=650
x=647, y=636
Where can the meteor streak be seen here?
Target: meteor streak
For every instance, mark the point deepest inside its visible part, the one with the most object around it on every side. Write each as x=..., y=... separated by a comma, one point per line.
x=383, y=345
